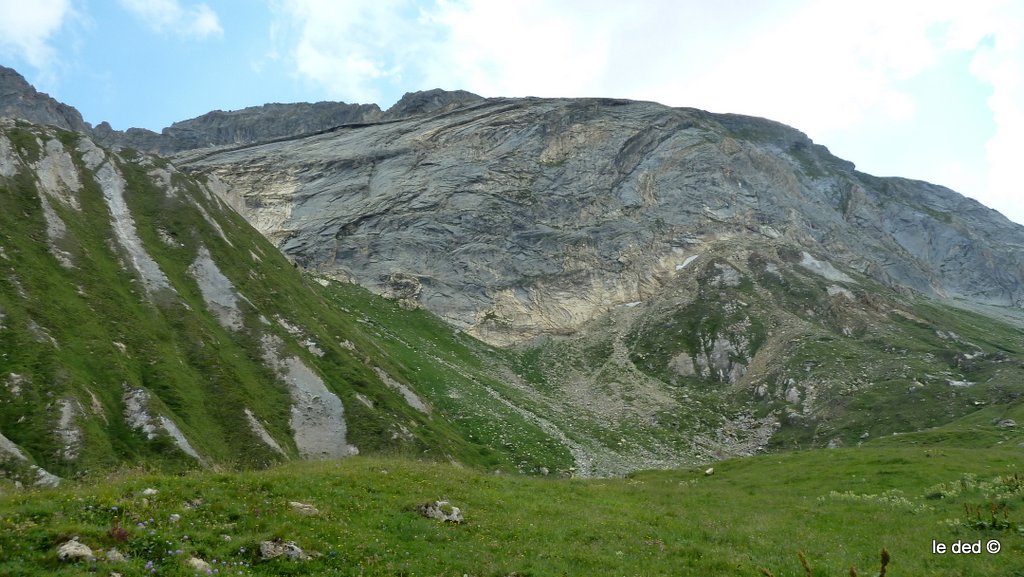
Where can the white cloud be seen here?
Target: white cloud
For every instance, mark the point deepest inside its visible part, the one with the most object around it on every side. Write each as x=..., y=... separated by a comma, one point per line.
x=197, y=22
x=529, y=47
x=363, y=51
x=999, y=61
x=26, y=29
x=351, y=48
x=829, y=66
x=823, y=67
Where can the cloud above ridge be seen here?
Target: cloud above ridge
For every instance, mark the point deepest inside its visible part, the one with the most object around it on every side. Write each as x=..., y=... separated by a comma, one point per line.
x=26, y=29
x=169, y=16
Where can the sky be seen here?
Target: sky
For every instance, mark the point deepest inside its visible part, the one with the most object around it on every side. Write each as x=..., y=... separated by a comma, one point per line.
x=932, y=90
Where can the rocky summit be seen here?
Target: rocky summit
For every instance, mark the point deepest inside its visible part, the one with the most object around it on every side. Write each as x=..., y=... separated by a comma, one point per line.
x=555, y=286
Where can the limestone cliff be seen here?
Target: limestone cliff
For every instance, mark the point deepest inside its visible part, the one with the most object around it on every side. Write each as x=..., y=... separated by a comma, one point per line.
x=515, y=218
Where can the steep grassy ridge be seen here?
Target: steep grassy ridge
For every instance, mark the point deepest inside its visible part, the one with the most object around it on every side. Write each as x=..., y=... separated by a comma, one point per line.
x=140, y=316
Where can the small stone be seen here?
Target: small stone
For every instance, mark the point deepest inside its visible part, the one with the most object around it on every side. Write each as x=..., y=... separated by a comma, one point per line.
x=709, y=471
x=278, y=548
x=1006, y=424
x=442, y=511
x=197, y=564
x=174, y=518
x=226, y=538
x=303, y=508
x=149, y=492
x=116, y=556
x=73, y=551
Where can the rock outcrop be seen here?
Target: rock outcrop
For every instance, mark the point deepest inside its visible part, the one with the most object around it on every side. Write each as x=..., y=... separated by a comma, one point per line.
x=19, y=99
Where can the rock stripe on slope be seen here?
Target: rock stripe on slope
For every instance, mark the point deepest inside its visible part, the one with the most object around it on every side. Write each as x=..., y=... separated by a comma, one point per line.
x=41, y=477
x=113, y=185
x=217, y=290
x=136, y=409
x=261, y=431
x=318, y=417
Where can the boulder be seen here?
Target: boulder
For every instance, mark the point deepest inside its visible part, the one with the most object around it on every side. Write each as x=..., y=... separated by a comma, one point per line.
x=72, y=551
x=198, y=565
x=303, y=508
x=441, y=510
x=279, y=548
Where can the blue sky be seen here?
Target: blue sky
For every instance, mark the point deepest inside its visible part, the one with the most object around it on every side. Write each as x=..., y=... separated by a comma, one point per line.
x=923, y=89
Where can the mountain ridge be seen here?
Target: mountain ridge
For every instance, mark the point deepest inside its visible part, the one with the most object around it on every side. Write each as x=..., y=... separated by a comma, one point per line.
x=253, y=124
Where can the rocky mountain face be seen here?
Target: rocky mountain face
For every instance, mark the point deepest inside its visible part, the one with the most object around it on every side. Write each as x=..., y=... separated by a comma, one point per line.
x=255, y=124
x=19, y=99
x=518, y=218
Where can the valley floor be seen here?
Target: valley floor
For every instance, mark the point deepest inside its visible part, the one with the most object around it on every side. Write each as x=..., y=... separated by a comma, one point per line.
x=754, y=516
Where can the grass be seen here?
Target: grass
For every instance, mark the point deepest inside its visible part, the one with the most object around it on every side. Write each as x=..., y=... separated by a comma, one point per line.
x=838, y=508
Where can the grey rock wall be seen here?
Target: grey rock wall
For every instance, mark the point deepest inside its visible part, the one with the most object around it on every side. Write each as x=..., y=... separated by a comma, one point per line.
x=523, y=217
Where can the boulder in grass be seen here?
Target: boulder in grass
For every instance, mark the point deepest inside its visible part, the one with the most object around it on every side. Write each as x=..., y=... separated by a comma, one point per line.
x=198, y=565
x=72, y=551
x=279, y=548
x=303, y=508
x=441, y=510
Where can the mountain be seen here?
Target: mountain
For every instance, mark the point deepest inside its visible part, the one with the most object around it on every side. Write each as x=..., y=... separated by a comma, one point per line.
x=678, y=285
x=563, y=286
x=19, y=99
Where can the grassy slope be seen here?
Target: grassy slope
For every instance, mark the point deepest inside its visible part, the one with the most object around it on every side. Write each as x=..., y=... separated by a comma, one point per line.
x=838, y=507
x=201, y=374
